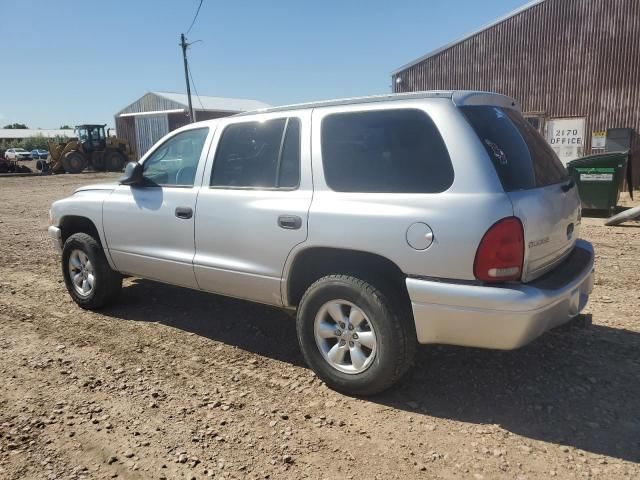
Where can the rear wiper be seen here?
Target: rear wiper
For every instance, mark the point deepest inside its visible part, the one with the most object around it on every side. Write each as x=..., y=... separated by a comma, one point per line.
x=568, y=186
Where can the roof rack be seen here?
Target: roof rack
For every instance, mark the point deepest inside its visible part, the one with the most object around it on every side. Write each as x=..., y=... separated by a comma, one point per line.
x=348, y=101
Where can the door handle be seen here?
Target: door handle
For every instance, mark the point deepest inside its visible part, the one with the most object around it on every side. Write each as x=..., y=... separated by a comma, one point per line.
x=184, y=212
x=290, y=222
x=568, y=186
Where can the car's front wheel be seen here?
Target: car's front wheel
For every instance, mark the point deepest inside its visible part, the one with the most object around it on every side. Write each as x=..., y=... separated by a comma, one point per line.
x=357, y=339
x=89, y=279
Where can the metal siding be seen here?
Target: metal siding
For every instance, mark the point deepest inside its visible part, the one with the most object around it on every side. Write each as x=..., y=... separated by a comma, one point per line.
x=177, y=120
x=150, y=129
x=125, y=129
x=561, y=57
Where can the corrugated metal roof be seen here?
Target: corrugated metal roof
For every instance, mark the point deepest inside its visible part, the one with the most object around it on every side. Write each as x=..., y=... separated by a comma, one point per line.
x=497, y=21
x=219, y=104
x=160, y=101
x=32, y=132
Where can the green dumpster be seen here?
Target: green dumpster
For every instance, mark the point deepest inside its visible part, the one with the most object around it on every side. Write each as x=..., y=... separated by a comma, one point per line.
x=599, y=179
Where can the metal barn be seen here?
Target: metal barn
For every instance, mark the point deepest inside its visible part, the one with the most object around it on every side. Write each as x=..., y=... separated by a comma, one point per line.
x=574, y=65
x=155, y=114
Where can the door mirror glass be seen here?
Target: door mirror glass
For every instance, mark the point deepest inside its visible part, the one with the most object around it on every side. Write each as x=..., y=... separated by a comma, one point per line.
x=132, y=174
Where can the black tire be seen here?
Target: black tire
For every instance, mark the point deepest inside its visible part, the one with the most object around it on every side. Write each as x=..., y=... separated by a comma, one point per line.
x=114, y=160
x=107, y=283
x=42, y=166
x=394, y=331
x=97, y=161
x=74, y=162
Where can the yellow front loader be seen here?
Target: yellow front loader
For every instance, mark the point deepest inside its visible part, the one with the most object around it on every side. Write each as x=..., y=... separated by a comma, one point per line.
x=90, y=148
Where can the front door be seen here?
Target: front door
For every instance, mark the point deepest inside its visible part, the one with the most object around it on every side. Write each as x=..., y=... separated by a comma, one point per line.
x=252, y=208
x=149, y=227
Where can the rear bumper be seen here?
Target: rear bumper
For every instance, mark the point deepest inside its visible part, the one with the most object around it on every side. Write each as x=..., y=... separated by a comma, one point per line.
x=505, y=316
x=56, y=237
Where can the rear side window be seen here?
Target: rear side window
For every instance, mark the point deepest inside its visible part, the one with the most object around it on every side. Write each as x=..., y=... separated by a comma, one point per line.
x=258, y=155
x=521, y=157
x=399, y=151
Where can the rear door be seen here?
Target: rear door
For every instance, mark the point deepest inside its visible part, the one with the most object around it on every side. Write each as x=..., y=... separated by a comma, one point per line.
x=543, y=196
x=253, y=205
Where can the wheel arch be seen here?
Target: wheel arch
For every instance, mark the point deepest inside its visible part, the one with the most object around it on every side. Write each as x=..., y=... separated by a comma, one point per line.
x=313, y=263
x=70, y=224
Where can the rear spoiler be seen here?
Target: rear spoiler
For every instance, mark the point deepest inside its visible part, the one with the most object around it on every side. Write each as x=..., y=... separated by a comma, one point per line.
x=466, y=98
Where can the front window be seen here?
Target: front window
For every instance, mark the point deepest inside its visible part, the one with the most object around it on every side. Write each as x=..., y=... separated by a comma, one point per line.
x=175, y=162
x=83, y=134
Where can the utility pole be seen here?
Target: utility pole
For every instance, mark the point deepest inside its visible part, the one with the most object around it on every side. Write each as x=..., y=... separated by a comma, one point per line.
x=184, y=46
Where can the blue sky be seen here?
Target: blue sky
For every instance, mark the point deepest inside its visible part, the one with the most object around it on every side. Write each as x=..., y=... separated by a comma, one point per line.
x=73, y=61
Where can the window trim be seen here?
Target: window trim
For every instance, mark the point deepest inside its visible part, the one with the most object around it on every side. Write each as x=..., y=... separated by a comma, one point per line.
x=280, y=152
x=378, y=110
x=151, y=153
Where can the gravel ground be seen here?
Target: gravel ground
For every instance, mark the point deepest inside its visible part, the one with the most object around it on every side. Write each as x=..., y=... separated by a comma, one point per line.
x=172, y=383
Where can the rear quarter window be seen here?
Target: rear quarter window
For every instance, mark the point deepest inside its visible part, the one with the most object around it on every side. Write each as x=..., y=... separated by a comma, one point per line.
x=395, y=151
x=521, y=157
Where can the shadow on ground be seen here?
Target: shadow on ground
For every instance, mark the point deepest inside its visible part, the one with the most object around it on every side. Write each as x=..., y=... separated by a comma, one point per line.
x=579, y=388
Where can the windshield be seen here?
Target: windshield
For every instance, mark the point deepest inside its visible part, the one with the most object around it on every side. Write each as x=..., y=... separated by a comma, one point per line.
x=521, y=157
x=19, y=150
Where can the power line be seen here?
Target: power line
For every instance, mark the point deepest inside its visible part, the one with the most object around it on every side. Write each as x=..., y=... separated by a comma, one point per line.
x=195, y=17
x=195, y=89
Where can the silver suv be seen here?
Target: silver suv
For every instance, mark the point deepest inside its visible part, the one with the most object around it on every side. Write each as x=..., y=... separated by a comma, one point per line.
x=434, y=217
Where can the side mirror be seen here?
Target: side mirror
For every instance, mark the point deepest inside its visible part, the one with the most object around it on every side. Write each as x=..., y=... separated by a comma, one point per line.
x=132, y=174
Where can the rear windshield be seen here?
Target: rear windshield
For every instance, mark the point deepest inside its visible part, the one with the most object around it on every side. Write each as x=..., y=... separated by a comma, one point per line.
x=521, y=157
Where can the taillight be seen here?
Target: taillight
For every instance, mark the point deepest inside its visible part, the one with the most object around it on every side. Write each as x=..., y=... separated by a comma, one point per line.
x=501, y=252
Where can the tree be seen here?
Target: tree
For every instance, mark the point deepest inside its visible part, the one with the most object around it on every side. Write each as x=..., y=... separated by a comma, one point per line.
x=65, y=127
x=16, y=126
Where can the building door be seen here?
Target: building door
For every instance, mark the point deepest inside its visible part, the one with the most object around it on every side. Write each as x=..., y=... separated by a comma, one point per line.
x=150, y=129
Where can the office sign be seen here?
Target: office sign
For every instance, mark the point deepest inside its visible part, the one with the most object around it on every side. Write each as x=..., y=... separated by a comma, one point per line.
x=566, y=137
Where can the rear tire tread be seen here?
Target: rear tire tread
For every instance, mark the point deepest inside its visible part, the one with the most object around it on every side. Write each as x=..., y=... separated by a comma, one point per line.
x=402, y=325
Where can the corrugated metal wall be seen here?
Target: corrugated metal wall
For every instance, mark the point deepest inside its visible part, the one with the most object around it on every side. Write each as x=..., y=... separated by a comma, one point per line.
x=562, y=57
x=126, y=129
x=150, y=129
x=210, y=115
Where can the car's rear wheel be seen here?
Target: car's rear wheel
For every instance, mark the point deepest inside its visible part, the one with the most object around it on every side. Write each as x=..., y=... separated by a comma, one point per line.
x=357, y=339
x=89, y=279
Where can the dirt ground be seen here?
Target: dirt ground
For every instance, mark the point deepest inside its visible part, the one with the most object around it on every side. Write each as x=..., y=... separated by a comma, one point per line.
x=173, y=383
